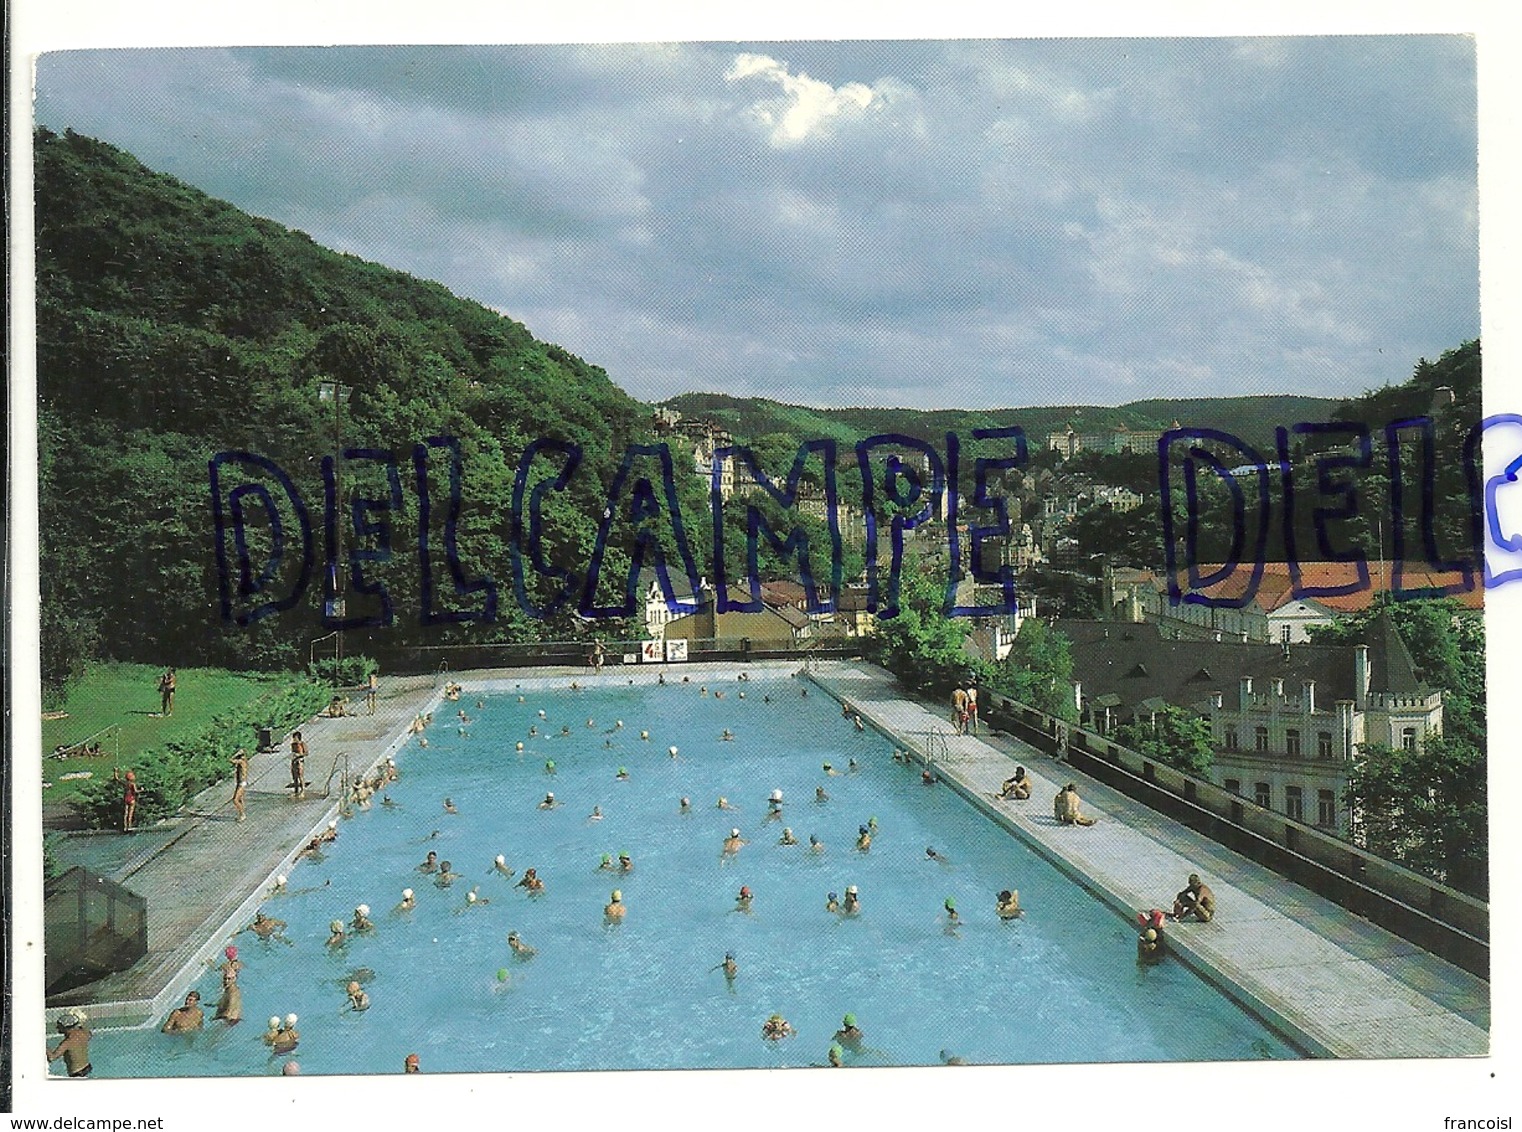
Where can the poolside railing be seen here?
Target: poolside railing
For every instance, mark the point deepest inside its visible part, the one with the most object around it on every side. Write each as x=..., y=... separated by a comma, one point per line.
x=1433, y=915
x=432, y=660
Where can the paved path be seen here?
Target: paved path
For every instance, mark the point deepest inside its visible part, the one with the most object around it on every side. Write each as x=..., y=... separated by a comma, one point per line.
x=1335, y=983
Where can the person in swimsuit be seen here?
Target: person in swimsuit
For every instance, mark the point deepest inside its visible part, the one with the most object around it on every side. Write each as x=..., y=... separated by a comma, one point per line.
x=240, y=781
x=129, y=800
x=230, y=1005
x=75, y=1046
x=183, y=1019
x=298, y=764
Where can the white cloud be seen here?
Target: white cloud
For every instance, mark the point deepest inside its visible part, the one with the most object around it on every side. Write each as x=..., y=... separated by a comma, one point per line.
x=806, y=106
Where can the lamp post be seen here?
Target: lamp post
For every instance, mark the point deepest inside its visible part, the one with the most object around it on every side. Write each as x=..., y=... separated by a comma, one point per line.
x=338, y=394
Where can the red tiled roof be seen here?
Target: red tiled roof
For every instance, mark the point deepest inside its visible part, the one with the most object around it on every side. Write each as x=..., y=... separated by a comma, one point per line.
x=1276, y=589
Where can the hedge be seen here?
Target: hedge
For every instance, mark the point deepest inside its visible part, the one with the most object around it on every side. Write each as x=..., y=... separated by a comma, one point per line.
x=350, y=672
x=169, y=776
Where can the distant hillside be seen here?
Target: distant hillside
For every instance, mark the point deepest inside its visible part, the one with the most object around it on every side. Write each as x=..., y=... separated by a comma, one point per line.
x=1251, y=418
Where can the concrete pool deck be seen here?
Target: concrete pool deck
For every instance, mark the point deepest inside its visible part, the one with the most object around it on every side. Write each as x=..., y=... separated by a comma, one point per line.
x=1333, y=982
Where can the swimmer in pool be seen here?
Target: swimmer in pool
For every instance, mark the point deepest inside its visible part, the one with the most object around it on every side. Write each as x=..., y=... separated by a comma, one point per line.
x=447, y=876
x=820, y=795
x=520, y=949
x=265, y=927
x=743, y=900
x=724, y=804
x=849, y=1035
x=625, y=863
x=829, y=769
x=449, y=806
x=952, y=919
x=430, y=864
x=928, y=777
x=837, y=1055
x=362, y=921
x=500, y=864
x=183, y=1019
x=685, y=806
x=408, y=903
x=596, y=814
x=1008, y=905
x=776, y=1027
x=565, y=731
x=832, y=903
x=856, y=720
x=613, y=910
x=387, y=802
x=358, y=999
x=289, y=1037
x=815, y=845
x=729, y=967
x=852, y=905
x=788, y=838
x=549, y=766
x=734, y=842
x=863, y=839
x=932, y=855
x=473, y=898
x=852, y=767
x=549, y=802
x=727, y=736
x=273, y=1032
x=606, y=864
x=774, y=805
x=623, y=774
x=1149, y=947
x=336, y=939
x=531, y=881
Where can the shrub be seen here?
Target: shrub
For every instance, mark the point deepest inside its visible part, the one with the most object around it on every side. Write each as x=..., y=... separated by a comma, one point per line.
x=350, y=672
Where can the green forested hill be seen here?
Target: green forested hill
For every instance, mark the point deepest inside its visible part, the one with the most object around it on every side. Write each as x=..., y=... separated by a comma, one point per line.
x=172, y=326
x=1251, y=418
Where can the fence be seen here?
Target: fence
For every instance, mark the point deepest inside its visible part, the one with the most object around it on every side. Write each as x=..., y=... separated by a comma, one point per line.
x=92, y=927
x=1440, y=919
x=422, y=660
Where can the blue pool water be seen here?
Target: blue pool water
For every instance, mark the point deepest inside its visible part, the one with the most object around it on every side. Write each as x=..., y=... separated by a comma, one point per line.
x=1060, y=985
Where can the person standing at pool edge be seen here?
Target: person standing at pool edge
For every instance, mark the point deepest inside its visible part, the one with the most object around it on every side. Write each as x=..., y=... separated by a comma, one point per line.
x=240, y=782
x=129, y=799
x=298, y=765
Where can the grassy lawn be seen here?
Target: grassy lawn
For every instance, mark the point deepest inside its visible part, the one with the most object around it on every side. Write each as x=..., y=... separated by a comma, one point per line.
x=127, y=696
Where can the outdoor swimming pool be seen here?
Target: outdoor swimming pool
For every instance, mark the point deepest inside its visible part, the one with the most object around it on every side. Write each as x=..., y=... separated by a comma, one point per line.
x=1059, y=985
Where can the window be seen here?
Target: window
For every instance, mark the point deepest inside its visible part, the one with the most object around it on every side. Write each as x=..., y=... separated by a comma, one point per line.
x=1292, y=743
x=1284, y=634
x=1294, y=802
x=1231, y=738
x=1260, y=738
x=1326, y=808
x=1323, y=744
x=1234, y=785
x=1408, y=739
x=1261, y=795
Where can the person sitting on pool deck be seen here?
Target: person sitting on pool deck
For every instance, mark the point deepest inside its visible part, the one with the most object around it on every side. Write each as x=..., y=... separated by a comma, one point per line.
x=1149, y=947
x=289, y=1037
x=531, y=881
x=447, y=876
x=549, y=802
x=75, y=1046
x=1196, y=900
x=849, y=1035
x=625, y=862
x=787, y=838
x=775, y=1028
x=1008, y=905
x=742, y=901
x=1066, y=807
x=734, y=842
x=431, y=864
x=614, y=909
x=265, y=927
x=852, y=906
x=500, y=864
x=183, y=1019
x=1016, y=788
x=863, y=838
x=832, y=903
x=520, y=949
x=358, y=999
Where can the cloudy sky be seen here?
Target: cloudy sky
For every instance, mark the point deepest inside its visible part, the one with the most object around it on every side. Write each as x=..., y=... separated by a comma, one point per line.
x=975, y=223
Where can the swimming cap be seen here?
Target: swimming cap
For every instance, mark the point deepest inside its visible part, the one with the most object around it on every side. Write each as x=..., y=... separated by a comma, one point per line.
x=550, y=797
x=672, y=750
x=729, y=956
x=735, y=832
x=617, y=895
x=502, y=975
x=850, y=890
x=624, y=856
x=836, y=1051
x=618, y=723
x=406, y=894
x=336, y=926
x=832, y=896
x=951, y=905
x=290, y=1019
x=787, y=831
x=274, y=1021
x=826, y=767
x=776, y=795
x=621, y=770
x=1151, y=934
x=520, y=746
x=333, y=824
x=549, y=764
x=861, y=829
x=280, y=881
x=230, y=951
x=848, y=1020
x=541, y=713
x=511, y=936
x=1194, y=878
x=363, y=909
x=644, y=734
x=501, y=860
x=686, y=801
x=607, y=858
x=470, y=898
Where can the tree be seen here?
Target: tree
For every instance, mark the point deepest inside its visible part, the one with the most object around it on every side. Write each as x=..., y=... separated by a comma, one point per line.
x=921, y=645
x=1174, y=736
x=1038, y=671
